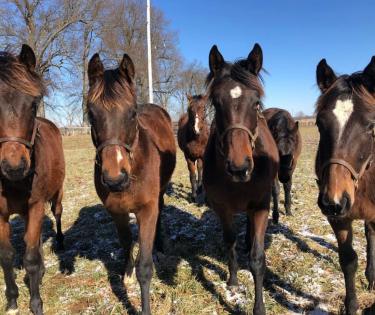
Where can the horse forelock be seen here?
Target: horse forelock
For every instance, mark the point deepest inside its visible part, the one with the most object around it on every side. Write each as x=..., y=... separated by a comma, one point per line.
x=15, y=75
x=112, y=91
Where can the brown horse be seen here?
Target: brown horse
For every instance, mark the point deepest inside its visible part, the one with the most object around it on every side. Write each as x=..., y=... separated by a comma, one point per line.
x=346, y=122
x=288, y=139
x=136, y=155
x=241, y=159
x=32, y=171
x=192, y=139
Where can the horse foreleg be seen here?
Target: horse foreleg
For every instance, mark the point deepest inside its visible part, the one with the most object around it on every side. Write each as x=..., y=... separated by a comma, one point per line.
x=275, y=199
x=193, y=179
x=33, y=259
x=258, y=223
x=159, y=234
x=125, y=236
x=229, y=236
x=6, y=260
x=288, y=199
x=57, y=210
x=348, y=261
x=200, y=172
x=147, y=219
x=370, y=268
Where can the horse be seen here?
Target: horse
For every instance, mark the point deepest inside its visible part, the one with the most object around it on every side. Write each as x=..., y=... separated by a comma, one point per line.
x=135, y=159
x=192, y=136
x=32, y=171
x=288, y=139
x=346, y=122
x=241, y=158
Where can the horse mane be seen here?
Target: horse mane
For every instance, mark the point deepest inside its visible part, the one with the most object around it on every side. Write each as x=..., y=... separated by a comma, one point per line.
x=15, y=74
x=345, y=87
x=238, y=72
x=112, y=91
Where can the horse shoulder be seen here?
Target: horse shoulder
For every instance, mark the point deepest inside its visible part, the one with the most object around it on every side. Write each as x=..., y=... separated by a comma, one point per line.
x=158, y=126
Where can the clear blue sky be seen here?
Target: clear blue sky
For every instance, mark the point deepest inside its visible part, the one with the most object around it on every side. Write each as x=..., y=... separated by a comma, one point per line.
x=294, y=35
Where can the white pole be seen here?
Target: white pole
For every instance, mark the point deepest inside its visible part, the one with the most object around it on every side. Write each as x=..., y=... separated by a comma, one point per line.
x=150, y=89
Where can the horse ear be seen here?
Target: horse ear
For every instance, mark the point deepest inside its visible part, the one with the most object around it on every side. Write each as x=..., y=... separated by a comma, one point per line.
x=370, y=69
x=27, y=57
x=325, y=76
x=127, y=68
x=216, y=60
x=255, y=59
x=95, y=69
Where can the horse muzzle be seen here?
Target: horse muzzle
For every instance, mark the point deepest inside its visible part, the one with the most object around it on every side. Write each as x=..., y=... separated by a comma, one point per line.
x=14, y=172
x=116, y=184
x=334, y=208
x=241, y=173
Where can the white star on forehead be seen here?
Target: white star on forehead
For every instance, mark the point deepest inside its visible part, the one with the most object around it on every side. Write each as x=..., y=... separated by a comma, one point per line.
x=342, y=112
x=236, y=92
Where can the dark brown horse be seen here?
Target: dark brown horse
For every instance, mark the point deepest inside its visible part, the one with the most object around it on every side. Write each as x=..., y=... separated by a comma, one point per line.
x=344, y=165
x=241, y=159
x=136, y=155
x=32, y=171
x=288, y=139
x=192, y=139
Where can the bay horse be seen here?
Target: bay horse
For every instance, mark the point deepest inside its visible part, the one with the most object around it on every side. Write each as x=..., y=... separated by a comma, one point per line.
x=192, y=137
x=135, y=158
x=346, y=123
x=241, y=159
x=32, y=171
x=288, y=139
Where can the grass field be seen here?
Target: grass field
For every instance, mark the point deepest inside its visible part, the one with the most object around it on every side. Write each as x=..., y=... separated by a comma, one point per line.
x=303, y=273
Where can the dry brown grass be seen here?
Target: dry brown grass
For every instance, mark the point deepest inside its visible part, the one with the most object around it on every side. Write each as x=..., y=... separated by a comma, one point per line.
x=303, y=271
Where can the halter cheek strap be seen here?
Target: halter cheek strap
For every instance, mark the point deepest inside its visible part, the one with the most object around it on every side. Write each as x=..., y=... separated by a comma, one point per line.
x=252, y=136
x=128, y=147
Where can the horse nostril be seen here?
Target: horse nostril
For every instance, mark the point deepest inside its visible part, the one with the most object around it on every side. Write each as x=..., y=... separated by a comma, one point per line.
x=118, y=183
x=325, y=200
x=12, y=172
x=242, y=170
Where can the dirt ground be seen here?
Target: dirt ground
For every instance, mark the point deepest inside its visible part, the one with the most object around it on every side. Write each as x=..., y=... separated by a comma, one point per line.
x=303, y=274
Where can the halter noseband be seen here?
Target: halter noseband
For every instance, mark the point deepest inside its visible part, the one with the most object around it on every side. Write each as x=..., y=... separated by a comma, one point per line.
x=253, y=136
x=28, y=144
x=356, y=176
x=128, y=147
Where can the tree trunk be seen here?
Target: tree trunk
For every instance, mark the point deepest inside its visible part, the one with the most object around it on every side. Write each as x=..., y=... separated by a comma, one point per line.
x=41, y=109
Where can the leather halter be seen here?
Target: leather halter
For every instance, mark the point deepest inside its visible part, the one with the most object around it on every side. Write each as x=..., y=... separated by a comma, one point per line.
x=128, y=147
x=253, y=136
x=356, y=176
x=28, y=144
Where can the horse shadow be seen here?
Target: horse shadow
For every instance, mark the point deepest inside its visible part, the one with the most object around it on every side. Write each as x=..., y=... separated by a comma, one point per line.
x=198, y=241
x=17, y=224
x=93, y=236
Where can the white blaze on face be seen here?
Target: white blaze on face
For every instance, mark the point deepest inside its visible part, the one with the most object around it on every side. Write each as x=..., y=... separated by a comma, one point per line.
x=196, y=124
x=342, y=111
x=236, y=92
x=119, y=156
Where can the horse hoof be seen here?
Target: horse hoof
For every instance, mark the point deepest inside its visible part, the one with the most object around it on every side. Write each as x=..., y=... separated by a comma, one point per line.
x=130, y=277
x=12, y=311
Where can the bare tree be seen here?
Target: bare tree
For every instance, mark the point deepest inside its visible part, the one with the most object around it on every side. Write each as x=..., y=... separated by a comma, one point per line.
x=191, y=81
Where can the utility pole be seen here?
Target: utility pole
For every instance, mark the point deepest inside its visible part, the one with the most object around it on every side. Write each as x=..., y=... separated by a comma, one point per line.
x=149, y=58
